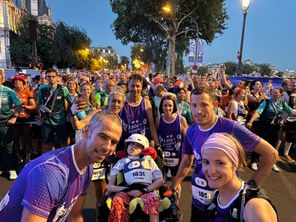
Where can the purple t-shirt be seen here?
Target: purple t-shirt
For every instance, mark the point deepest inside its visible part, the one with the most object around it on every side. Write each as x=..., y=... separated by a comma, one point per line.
x=193, y=141
x=48, y=186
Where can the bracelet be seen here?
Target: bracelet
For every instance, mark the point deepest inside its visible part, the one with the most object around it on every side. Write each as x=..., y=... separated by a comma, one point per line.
x=174, y=189
x=72, y=114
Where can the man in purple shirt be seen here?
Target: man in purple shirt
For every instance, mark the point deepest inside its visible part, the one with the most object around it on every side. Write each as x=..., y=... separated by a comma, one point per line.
x=206, y=123
x=53, y=186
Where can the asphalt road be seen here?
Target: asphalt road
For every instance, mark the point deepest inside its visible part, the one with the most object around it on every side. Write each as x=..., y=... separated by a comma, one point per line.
x=281, y=188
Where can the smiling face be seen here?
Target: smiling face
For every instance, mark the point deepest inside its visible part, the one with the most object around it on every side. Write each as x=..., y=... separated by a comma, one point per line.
x=134, y=149
x=72, y=85
x=167, y=106
x=202, y=108
x=135, y=88
x=218, y=169
x=86, y=90
x=101, y=140
x=116, y=103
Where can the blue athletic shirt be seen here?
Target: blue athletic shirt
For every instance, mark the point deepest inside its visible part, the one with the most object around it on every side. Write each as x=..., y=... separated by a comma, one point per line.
x=48, y=186
x=195, y=138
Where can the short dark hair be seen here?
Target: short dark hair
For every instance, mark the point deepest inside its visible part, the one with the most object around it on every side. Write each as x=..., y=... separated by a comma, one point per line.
x=203, y=89
x=136, y=77
x=51, y=70
x=168, y=97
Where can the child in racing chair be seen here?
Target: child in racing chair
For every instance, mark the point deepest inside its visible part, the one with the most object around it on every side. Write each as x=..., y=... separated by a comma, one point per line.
x=141, y=175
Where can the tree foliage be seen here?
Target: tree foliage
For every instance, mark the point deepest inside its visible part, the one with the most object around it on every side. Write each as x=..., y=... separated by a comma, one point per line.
x=144, y=22
x=56, y=45
x=265, y=69
x=124, y=61
x=66, y=44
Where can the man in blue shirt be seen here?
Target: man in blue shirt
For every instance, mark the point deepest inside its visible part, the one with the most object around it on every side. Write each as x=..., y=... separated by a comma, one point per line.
x=53, y=186
x=206, y=123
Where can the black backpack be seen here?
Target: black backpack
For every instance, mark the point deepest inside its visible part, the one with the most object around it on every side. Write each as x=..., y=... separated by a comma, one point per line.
x=236, y=211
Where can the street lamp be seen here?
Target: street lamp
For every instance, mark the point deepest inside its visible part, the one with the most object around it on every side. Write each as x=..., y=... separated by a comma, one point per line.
x=245, y=7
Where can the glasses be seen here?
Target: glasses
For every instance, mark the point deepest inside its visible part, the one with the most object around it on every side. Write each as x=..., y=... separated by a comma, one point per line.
x=51, y=77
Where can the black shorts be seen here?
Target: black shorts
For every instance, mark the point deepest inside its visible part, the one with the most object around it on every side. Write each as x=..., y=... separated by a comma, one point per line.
x=173, y=170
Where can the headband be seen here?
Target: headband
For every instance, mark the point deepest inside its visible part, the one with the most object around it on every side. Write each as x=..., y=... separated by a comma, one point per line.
x=224, y=143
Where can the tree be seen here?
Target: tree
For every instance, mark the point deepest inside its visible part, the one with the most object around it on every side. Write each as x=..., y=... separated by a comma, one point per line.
x=124, y=62
x=138, y=21
x=202, y=70
x=230, y=68
x=44, y=44
x=112, y=62
x=67, y=45
x=265, y=69
x=20, y=43
x=247, y=69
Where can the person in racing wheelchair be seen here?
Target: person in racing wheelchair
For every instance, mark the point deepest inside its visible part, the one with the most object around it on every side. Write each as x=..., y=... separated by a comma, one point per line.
x=142, y=177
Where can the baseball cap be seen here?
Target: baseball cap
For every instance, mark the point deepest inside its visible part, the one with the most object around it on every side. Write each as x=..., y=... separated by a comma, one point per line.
x=21, y=77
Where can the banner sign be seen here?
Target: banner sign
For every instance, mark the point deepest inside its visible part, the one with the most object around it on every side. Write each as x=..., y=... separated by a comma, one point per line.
x=200, y=50
x=192, y=50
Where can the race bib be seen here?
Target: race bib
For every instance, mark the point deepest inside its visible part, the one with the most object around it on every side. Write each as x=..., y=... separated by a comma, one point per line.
x=98, y=174
x=200, y=189
x=170, y=162
x=203, y=195
x=170, y=159
x=138, y=176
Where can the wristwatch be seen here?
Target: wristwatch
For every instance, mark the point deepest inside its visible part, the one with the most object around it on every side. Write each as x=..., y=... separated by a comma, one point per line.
x=146, y=190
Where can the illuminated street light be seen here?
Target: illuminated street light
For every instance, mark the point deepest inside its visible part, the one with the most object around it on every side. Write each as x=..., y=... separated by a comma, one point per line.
x=167, y=8
x=245, y=7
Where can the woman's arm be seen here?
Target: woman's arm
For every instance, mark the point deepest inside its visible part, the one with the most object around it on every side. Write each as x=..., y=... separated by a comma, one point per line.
x=31, y=104
x=259, y=210
x=184, y=126
x=230, y=109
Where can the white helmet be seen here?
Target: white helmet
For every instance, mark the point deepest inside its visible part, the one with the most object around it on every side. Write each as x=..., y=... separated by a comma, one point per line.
x=138, y=138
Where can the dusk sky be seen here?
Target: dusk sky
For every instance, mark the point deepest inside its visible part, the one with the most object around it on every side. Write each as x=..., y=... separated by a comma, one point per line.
x=269, y=37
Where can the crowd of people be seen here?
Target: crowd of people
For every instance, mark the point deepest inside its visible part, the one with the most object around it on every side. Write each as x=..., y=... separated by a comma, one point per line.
x=167, y=124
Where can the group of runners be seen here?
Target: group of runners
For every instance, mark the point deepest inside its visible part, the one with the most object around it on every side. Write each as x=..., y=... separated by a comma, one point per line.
x=155, y=126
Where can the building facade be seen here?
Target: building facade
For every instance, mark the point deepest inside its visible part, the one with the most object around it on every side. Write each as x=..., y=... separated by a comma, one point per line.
x=10, y=14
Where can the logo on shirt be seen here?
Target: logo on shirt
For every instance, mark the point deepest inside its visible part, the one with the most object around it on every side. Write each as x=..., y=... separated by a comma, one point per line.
x=200, y=182
x=134, y=164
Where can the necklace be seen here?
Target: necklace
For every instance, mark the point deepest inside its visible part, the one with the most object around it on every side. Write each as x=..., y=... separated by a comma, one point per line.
x=229, y=198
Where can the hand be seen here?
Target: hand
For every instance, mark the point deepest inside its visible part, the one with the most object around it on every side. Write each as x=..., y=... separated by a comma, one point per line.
x=11, y=121
x=152, y=143
x=134, y=193
x=74, y=108
x=249, y=125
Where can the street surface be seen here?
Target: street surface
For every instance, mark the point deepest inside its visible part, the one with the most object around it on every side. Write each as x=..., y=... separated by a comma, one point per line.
x=280, y=187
